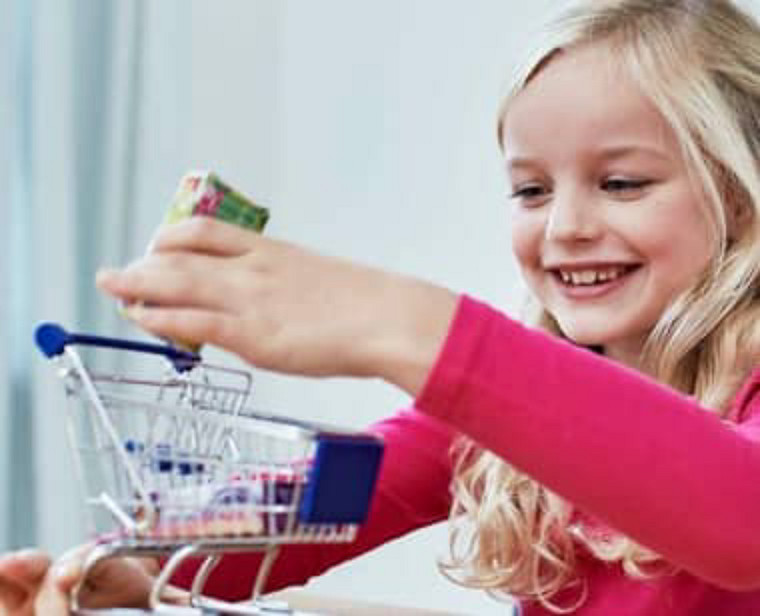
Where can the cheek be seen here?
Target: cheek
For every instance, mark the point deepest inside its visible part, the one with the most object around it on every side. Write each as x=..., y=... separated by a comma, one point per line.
x=685, y=260
x=680, y=246
x=527, y=237
x=683, y=228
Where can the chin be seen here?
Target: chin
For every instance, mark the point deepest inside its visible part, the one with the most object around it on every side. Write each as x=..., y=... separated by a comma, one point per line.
x=586, y=336
x=589, y=342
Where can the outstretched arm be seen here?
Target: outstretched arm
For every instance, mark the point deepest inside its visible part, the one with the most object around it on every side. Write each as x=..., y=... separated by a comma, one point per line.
x=284, y=308
x=647, y=460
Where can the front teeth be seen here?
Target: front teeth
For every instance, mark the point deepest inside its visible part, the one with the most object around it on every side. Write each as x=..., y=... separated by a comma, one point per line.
x=589, y=277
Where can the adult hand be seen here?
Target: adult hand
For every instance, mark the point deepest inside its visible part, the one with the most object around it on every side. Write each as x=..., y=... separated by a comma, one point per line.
x=31, y=584
x=282, y=307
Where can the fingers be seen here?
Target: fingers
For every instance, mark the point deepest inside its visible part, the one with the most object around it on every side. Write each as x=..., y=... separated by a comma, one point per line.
x=192, y=280
x=68, y=568
x=191, y=325
x=206, y=235
x=11, y=597
x=54, y=593
x=122, y=581
x=24, y=568
x=31, y=585
x=52, y=600
x=21, y=574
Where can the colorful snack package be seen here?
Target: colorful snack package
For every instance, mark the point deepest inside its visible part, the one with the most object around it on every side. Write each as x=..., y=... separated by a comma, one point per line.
x=202, y=193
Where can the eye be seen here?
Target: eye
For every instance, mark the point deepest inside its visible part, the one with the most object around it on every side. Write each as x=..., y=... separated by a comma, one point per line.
x=623, y=185
x=529, y=192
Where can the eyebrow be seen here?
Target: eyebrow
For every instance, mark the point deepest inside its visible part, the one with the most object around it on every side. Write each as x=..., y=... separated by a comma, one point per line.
x=518, y=162
x=614, y=152
x=606, y=154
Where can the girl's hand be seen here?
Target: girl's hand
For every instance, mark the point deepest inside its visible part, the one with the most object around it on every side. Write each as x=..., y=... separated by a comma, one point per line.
x=284, y=308
x=30, y=584
x=21, y=576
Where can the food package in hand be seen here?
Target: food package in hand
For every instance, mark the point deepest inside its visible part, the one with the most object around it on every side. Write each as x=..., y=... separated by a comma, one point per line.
x=202, y=193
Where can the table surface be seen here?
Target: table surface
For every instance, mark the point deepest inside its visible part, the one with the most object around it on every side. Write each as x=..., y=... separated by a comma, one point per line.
x=302, y=604
x=334, y=606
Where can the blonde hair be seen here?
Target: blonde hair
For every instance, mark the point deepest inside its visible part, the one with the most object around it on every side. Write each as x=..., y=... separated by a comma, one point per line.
x=699, y=63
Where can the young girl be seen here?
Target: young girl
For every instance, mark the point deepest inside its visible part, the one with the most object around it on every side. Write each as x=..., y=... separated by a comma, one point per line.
x=605, y=461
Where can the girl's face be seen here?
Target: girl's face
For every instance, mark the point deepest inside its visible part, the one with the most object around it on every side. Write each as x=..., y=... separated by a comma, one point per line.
x=607, y=226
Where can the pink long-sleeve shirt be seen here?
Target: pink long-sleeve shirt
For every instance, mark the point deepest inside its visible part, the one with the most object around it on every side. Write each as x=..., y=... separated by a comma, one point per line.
x=622, y=448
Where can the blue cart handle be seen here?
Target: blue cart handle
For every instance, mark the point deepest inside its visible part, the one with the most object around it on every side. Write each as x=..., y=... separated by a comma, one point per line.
x=52, y=339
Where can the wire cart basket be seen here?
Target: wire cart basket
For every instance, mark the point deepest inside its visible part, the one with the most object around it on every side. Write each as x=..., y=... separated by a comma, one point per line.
x=173, y=463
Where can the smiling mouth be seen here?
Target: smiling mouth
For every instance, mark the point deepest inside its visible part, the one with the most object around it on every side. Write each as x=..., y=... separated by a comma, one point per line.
x=593, y=278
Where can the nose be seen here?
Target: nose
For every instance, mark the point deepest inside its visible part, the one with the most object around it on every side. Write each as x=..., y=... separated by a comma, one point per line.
x=573, y=217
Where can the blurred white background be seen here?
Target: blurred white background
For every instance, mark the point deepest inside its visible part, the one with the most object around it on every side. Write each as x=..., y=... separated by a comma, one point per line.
x=367, y=127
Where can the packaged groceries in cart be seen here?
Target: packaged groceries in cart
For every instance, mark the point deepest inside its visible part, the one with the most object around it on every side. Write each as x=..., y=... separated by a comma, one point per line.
x=174, y=462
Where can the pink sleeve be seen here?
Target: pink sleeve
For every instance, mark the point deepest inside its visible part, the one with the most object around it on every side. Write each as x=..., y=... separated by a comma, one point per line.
x=412, y=492
x=642, y=457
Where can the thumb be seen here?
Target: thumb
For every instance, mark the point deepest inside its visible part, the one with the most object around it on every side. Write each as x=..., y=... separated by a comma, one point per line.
x=67, y=573
x=68, y=569
x=24, y=568
x=54, y=596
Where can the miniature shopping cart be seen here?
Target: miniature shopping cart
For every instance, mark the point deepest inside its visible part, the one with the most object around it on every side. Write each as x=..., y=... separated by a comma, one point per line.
x=174, y=463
